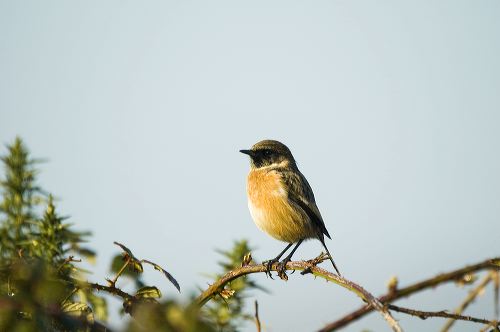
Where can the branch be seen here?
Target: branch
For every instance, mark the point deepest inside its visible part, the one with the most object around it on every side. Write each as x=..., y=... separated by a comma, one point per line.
x=496, y=291
x=307, y=267
x=442, y=314
x=257, y=320
x=468, y=300
x=112, y=290
x=108, y=289
x=396, y=294
x=112, y=283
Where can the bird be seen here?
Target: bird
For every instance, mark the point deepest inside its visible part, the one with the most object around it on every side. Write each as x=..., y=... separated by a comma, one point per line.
x=281, y=201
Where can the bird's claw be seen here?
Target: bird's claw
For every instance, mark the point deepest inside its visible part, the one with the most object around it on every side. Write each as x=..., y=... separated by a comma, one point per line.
x=281, y=269
x=269, y=266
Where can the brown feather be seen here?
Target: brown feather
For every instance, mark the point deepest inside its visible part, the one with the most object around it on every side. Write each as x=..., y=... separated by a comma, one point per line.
x=271, y=209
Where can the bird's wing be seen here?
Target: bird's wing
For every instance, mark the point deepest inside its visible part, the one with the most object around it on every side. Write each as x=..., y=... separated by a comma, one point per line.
x=300, y=192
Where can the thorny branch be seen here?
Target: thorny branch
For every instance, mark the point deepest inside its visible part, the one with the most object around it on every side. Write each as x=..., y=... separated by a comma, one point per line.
x=382, y=304
x=108, y=289
x=308, y=267
x=396, y=294
x=442, y=314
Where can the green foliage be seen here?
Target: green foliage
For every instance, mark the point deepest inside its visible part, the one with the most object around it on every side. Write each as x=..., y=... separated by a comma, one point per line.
x=37, y=268
x=148, y=292
x=168, y=316
x=38, y=299
x=20, y=196
x=41, y=286
x=227, y=310
x=148, y=313
x=26, y=233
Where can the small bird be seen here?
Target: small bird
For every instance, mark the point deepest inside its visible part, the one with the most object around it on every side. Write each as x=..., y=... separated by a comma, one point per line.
x=281, y=200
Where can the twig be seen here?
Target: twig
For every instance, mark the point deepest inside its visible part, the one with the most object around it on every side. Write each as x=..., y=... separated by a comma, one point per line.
x=219, y=284
x=393, y=295
x=70, y=295
x=257, y=320
x=442, y=314
x=112, y=283
x=496, y=291
x=68, y=260
x=493, y=324
x=468, y=300
x=109, y=289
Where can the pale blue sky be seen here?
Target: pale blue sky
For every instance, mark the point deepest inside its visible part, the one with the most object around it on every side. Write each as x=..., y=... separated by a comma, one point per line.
x=392, y=109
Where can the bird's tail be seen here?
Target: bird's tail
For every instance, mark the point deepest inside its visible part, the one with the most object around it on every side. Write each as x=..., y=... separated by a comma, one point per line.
x=330, y=256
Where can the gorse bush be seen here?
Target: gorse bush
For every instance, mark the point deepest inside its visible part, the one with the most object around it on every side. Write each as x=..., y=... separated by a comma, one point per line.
x=37, y=248
x=43, y=289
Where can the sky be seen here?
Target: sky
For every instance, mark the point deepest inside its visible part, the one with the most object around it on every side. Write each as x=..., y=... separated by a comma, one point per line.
x=391, y=108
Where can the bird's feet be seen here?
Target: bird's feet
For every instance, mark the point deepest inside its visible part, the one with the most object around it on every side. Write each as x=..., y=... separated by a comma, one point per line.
x=281, y=269
x=269, y=266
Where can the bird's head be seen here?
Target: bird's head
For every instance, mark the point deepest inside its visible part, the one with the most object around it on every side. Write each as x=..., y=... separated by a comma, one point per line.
x=270, y=153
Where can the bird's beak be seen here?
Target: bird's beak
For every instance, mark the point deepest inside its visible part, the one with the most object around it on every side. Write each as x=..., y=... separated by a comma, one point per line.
x=248, y=152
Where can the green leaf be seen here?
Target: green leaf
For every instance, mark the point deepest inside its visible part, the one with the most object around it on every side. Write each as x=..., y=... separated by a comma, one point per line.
x=135, y=263
x=75, y=307
x=86, y=252
x=131, y=271
x=168, y=275
x=99, y=306
x=127, y=250
x=148, y=292
x=136, y=266
x=116, y=263
x=78, y=309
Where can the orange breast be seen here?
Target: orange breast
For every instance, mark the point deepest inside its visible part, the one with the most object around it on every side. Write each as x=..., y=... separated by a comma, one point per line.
x=271, y=210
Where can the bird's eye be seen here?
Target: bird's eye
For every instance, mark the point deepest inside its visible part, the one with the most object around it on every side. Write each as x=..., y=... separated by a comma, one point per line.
x=267, y=153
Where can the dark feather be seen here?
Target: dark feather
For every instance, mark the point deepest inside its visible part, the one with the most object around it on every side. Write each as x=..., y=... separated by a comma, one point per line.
x=300, y=193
